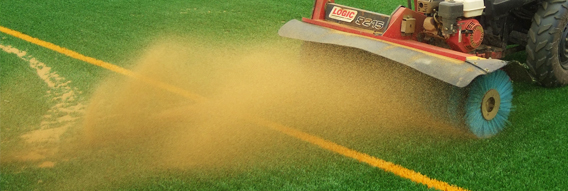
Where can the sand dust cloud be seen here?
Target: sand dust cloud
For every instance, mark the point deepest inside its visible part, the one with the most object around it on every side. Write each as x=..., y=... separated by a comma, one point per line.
x=305, y=87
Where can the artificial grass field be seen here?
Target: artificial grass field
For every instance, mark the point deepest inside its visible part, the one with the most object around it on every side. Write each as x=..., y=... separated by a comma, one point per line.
x=530, y=154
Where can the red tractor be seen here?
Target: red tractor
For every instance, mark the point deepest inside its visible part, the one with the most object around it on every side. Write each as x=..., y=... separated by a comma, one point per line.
x=459, y=42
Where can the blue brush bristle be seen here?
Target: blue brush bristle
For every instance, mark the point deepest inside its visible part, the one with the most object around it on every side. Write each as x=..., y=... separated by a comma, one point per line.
x=498, y=80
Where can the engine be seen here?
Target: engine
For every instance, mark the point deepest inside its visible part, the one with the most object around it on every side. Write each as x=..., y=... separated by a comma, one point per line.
x=453, y=21
x=468, y=38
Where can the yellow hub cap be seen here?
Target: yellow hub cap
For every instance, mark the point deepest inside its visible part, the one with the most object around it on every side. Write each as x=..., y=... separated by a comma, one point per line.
x=490, y=104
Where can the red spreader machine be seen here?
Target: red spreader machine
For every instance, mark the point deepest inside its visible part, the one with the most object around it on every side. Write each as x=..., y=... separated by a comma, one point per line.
x=459, y=42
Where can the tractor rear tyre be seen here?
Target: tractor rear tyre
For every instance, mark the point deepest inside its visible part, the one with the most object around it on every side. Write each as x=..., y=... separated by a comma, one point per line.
x=547, y=47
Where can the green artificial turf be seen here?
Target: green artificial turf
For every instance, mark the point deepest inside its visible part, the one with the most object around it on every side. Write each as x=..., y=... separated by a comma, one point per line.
x=530, y=154
x=21, y=107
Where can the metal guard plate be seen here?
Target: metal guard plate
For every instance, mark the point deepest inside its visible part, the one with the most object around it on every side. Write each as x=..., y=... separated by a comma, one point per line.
x=456, y=72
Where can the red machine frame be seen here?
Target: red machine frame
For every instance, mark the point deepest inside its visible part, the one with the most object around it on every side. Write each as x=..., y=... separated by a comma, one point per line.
x=392, y=33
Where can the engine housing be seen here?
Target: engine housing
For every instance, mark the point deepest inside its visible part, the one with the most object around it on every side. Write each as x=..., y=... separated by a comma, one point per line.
x=469, y=37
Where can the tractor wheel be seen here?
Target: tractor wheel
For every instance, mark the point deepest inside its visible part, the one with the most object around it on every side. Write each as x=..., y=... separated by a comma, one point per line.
x=489, y=103
x=547, y=47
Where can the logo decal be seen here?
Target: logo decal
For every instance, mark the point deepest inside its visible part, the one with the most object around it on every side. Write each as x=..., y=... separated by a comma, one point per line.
x=341, y=14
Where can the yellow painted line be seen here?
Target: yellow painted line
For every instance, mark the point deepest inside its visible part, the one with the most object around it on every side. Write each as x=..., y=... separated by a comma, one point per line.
x=325, y=144
x=362, y=157
x=475, y=58
x=102, y=64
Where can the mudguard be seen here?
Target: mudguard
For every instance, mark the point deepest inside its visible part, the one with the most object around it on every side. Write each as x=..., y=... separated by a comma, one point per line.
x=454, y=71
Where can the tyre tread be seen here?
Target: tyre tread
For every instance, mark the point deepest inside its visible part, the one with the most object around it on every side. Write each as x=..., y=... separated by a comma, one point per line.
x=541, y=41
